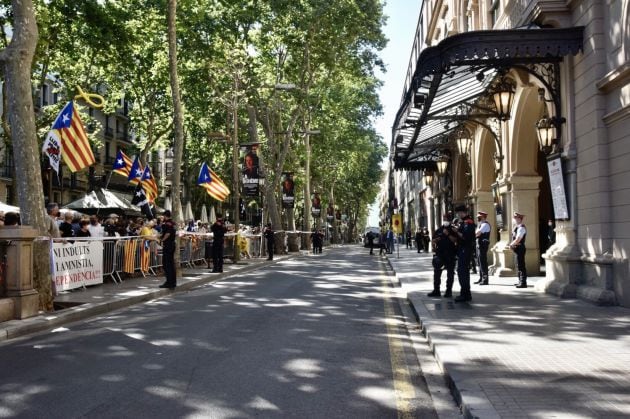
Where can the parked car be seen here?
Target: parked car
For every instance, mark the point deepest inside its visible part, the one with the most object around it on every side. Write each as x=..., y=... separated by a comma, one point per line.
x=376, y=232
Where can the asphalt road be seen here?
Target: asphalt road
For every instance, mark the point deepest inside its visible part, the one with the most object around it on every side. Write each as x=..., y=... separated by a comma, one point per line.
x=314, y=336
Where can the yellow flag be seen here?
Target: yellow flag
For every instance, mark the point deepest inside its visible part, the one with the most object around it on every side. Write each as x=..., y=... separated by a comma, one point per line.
x=397, y=223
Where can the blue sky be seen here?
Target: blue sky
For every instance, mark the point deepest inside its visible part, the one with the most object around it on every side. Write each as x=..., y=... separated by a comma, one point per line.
x=400, y=29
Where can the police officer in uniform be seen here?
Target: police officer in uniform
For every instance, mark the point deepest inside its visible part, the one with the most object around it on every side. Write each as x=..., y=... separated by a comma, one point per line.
x=168, y=251
x=445, y=241
x=466, y=233
x=519, y=234
x=218, y=230
x=268, y=233
x=483, y=242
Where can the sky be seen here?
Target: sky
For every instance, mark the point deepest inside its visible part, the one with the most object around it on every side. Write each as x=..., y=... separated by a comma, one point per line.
x=400, y=30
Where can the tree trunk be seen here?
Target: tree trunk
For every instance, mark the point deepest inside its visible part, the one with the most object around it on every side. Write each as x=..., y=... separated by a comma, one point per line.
x=18, y=59
x=178, y=122
x=178, y=113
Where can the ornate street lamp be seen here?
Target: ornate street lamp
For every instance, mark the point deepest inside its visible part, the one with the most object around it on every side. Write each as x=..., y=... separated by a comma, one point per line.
x=502, y=94
x=442, y=165
x=546, y=131
x=463, y=138
x=428, y=178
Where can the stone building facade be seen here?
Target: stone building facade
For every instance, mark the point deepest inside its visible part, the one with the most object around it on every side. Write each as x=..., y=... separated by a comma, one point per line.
x=566, y=63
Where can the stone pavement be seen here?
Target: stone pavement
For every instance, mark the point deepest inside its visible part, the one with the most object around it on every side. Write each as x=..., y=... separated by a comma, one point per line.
x=515, y=353
x=79, y=304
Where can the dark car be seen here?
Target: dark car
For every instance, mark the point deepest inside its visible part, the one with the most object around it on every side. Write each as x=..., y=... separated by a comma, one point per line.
x=376, y=233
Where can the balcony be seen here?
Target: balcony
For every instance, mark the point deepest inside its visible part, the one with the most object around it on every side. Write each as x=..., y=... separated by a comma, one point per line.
x=108, y=132
x=123, y=136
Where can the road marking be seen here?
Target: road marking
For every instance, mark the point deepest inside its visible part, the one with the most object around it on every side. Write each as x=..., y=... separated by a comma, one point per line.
x=403, y=386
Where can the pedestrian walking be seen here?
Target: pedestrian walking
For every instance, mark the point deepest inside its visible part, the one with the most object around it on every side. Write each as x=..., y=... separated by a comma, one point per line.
x=218, y=232
x=320, y=240
x=168, y=251
x=483, y=243
x=370, y=241
x=269, y=234
x=315, y=239
x=426, y=239
x=390, y=240
x=382, y=243
x=408, y=239
x=466, y=233
x=519, y=234
x=445, y=240
x=419, y=240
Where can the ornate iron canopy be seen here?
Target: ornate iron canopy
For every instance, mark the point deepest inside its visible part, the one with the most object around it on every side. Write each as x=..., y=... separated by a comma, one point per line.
x=449, y=82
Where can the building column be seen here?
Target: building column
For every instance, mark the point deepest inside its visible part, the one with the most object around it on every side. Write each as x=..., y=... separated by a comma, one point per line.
x=521, y=195
x=485, y=202
x=18, y=271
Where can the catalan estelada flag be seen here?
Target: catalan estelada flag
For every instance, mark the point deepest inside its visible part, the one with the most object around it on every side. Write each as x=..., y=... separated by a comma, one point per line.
x=145, y=255
x=130, y=256
x=68, y=130
x=148, y=182
x=212, y=183
x=122, y=164
x=136, y=171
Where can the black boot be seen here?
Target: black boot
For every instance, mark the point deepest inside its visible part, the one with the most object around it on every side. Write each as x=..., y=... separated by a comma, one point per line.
x=462, y=298
x=434, y=293
x=448, y=293
x=484, y=281
x=479, y=281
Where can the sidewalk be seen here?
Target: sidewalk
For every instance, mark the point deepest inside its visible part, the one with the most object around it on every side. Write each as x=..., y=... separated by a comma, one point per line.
x=515, y=353
x=83, y=303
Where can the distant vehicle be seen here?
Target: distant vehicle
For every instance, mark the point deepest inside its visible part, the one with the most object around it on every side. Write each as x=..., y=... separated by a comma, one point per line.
x=376, y=232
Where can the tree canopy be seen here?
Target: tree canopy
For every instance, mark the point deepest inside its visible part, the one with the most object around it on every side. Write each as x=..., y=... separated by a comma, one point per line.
x=231, y=57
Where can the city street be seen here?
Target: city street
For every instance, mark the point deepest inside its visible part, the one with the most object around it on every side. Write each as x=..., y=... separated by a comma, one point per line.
x=313, y=336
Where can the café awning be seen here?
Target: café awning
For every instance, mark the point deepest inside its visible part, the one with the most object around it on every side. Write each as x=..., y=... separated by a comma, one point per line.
x=449, y=81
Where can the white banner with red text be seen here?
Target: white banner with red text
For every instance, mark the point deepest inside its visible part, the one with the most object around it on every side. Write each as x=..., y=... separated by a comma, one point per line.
x=78, y=264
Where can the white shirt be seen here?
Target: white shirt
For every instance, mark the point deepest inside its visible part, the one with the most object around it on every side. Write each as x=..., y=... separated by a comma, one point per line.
x=96, y=230
x=483, y=227
x=520, y=232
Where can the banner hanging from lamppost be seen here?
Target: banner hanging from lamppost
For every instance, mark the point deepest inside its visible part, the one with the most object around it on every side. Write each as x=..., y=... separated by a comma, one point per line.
x=288, y=190
x=316, y=205
x=250, y=169
x=330, y=212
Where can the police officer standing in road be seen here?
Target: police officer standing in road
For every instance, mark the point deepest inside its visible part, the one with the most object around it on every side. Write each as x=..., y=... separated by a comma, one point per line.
x=269, y=233
x=483, y=242
x=466, y=233
x=218, y=231
x=370, y=242
x=445, y=241
x=519, y=234
x=168, y=251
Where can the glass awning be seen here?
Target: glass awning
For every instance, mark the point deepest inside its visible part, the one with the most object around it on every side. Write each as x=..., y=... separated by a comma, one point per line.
x=450, y=79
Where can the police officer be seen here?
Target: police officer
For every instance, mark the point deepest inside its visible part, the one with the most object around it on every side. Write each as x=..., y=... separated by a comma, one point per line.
x=519, y=234
x=168, y=251
x=466, y=233
x=483, y=242
x=370, y=242
x=445, y=241
x=218, y=231
x=268, y=233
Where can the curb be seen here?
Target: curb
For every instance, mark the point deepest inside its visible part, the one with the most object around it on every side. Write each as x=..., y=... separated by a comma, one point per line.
x=472, y=401
x=47, y=321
